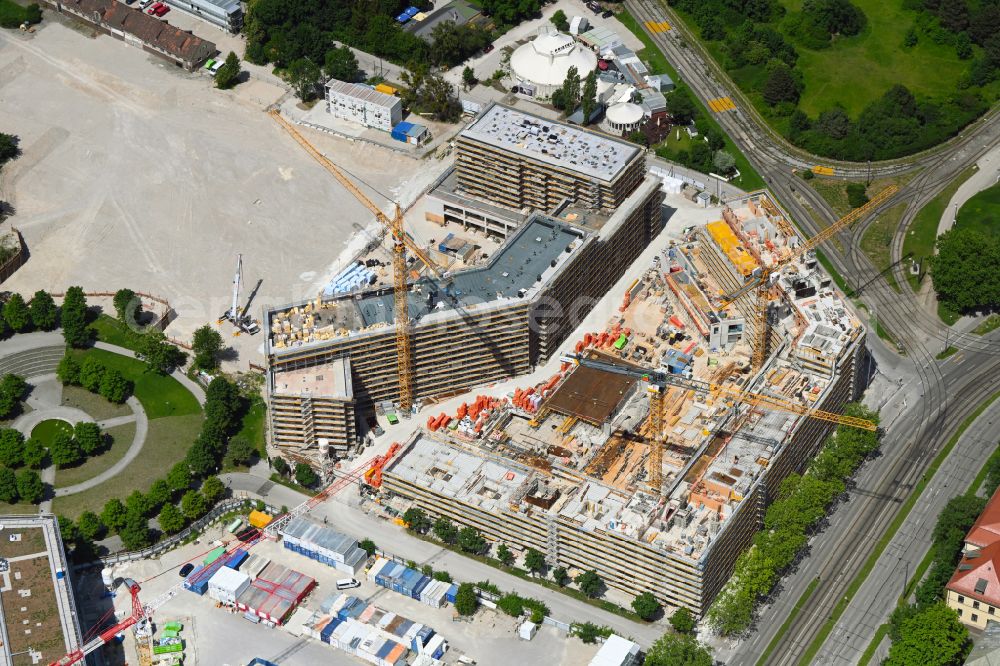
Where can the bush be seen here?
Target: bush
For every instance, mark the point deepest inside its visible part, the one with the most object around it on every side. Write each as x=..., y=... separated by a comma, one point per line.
x=466, y=601
x=510, y=604
x=856, y=195
x=305, y=476
x=646, y=606
x=588, y=632
x=590, y=584
x=682, y=621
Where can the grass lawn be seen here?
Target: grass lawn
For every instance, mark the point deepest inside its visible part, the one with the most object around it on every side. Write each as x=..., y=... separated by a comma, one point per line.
x=46, y=431
x=981, y=212
x=946, y=353
x=749, y=179
x=947, y=315
x=167, y=442
x=922, y=234
x=160, y=395
x=121, y=440
x=93, y=404
x=110, y=330
x=877, y=241
x=12, y=13
x=253, y=427
x=989, y=324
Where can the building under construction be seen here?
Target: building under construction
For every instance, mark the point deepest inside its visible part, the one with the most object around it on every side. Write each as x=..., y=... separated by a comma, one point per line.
x=485, y=323
x=567, y=466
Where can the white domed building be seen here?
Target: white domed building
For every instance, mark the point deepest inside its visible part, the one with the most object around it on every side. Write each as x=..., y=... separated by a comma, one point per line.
x=625, y=117
x=540, y=66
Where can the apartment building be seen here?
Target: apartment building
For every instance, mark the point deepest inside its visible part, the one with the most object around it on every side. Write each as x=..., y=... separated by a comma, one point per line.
x=363, y=105
x=974, y=590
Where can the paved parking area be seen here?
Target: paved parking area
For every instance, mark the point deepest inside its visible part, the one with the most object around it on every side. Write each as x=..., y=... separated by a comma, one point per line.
x=490, y=638
x=137, y=174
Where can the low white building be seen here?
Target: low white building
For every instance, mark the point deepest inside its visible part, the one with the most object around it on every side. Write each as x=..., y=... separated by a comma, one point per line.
x=617, y=651
x=540, y=66
x=227, y=584
x=363, y=104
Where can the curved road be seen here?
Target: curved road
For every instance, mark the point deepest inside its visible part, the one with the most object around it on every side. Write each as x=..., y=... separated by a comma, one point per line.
x=935, y=396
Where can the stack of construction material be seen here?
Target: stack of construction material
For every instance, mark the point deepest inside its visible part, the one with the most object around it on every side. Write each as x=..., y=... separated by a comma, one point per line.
x=275, y=592
x=307, y=537
x=355, y=276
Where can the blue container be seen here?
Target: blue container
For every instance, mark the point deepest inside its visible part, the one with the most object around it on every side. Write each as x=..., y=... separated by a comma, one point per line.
x=439, y=652
x=328, y=630
x=419, y=587
x=237, y=558
x=449, y=596
x=411, y=11
x=385, y=650
x=399, y=131
x=403, y=18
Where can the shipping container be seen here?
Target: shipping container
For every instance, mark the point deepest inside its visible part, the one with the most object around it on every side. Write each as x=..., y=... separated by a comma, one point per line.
x=173, y=626
x=213, y=555
x=236, y=558
x=167, y=649
x=233, y=526
x=452, y=591
x=259, y=519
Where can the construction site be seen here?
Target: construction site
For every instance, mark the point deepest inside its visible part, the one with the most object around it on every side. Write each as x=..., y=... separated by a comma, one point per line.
x=661, y=438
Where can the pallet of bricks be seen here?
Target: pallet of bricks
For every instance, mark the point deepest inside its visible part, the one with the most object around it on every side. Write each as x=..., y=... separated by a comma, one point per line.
x=371, y=633
x=410, y=582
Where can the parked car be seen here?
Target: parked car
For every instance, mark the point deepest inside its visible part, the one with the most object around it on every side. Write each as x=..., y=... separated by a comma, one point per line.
x=162, y=10
x=607, y=14
x=146, y=3
x=155, y=8
x=594, y=7
x=209, y=63
x=216, y=66
x=488, y=48
x=347, y=583
x=185, y=570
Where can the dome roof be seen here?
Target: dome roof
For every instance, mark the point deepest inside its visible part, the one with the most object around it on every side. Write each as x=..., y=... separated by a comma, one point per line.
x=546, y=59
x=625, y=113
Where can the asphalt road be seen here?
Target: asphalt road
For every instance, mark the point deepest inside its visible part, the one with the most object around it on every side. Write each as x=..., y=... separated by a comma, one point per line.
x=934, y=398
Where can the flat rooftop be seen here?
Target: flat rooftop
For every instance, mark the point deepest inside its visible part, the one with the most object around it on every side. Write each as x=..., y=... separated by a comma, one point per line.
x=560, y=145
x=591, y=394
x=39, y=618
x=331, y=379
x=522, y=265
x=363, y=93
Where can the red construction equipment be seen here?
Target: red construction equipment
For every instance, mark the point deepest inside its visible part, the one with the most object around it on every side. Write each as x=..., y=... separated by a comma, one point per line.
x=138, y=613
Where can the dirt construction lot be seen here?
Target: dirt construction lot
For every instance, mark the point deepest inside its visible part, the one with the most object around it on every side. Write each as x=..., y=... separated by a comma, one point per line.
x=137, y=174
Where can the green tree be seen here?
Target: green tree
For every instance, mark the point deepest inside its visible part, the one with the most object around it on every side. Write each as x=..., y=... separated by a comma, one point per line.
x=11, y=447
x=213, y=489
x=963, y=46
x=240, y=450
x=588, y=98
x=160, y=356
x=511, y=604
x=43, y=311
x=856, y=195
x=29, y=486
x=89, y=525
x=442, y=576
x=113, y=514
x=16, y=313
x=88, y=437
x=590, y=584
x=193, y=505
x=469, y=79
x=200, y=458
x=678, y=650
x=8, y=485
x=471, y=541
x=680, y=106
x=724, y=162
x=780, y=86
x=127, y=306
x=159, y=494
x=65, y=451
x=683, y=621
x=135, y=534
x=341, y=64
x=560, y=576
x=138, y=503
x=305, y=476
x=439, y=98
x=504, y=555
x=280, y=466
x=303, y=75
x=74, y=318
x=910, y=40
x=534, y=561
x=466, y=601
x=206, y=345
x=570, y=91
x=445, y=530
x=8, y=147
x=559, y=20
x=416, y=519
x=588, y=632
x=966, y=269
x=368, y=546
x=646, y=606
x=114, y=387
x=171, y=520
x=35, y=453
x=179, y=477
x=229, y=74
x=68, y=371
x=933, y=636
x=91, y=373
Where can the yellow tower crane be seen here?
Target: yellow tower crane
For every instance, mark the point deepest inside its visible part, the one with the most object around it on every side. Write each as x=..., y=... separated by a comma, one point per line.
x=762, y=283
x=401, y=243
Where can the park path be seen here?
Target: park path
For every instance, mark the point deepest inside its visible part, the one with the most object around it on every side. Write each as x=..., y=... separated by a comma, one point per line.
x=985, y=177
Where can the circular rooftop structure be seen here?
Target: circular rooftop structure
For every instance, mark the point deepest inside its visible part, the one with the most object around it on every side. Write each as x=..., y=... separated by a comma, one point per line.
x=546, y=59
x=625, y=116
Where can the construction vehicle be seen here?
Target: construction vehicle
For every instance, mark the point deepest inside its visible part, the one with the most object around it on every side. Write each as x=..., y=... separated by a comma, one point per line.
x=237, y=315
x=401, y=243
x=659, y=381
x=139, y=612
x=761, y=285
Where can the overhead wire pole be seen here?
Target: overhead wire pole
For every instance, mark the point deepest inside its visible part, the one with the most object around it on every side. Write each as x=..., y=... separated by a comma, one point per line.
x=762, y=283
x=401, y=243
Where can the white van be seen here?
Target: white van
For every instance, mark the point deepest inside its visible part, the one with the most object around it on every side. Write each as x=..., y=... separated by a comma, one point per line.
x=347, y=583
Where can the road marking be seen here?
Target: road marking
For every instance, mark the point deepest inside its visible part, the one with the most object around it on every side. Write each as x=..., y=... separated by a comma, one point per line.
x=721, y=104
x=657, y=27
x=822, y=170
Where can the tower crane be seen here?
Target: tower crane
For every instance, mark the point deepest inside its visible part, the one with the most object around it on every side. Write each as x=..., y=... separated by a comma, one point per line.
x=243, y=322
x=401, y=243
x=658, y=382
x=761, y=285
x=139, y=612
